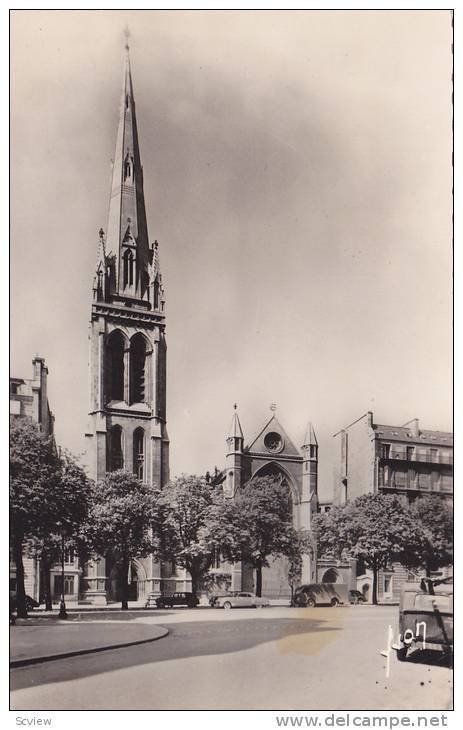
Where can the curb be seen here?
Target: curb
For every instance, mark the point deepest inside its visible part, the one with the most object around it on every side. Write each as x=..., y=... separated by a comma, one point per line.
x=65, y=655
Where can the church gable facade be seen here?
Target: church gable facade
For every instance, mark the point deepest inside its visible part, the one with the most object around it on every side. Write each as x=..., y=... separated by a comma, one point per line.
x=273, y=453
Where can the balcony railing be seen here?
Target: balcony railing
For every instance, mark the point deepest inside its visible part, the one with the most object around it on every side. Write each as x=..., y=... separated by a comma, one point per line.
x=426, y=458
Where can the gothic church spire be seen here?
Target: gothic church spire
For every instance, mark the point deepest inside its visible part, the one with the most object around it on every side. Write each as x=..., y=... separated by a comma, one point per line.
x=127, y=242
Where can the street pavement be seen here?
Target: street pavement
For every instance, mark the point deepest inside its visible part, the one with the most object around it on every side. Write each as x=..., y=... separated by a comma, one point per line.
x=43, y=638
x=269, y=659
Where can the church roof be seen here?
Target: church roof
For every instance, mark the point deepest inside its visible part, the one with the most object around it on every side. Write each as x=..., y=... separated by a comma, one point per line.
x=266, y=440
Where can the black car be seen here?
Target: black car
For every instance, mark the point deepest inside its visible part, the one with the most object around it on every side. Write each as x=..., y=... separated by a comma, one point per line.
x=30, y=603
x=177, y=599
x=356, y=597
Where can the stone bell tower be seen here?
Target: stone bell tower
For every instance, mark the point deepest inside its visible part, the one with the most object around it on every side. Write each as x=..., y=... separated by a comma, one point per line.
x=127, y=344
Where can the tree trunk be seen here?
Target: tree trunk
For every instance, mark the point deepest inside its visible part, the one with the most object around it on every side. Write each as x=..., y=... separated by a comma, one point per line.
x=374, y=596
x=125, y=585
x=47, y=584
x=259, y=580
x=21, y=609
x=194, y=582
x=428, y=569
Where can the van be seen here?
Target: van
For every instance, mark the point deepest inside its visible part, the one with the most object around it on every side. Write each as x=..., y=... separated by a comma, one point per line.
x=321, y=594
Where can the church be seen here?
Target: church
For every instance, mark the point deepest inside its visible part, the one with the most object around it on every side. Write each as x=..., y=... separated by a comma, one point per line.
x=271, y=452
x=127, y=390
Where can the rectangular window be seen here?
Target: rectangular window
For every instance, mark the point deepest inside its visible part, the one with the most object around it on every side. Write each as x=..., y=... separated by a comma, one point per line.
x=69, y=556
x=410, y=453
x=385, y=451
x=387, y=585
x=425, y=479
x=436, y=479
x=68, y=585
x=434, y=456
x=447, y=483
x=400, y=478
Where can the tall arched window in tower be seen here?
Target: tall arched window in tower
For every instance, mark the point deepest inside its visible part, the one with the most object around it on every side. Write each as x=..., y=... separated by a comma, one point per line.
x=114, y=365
x=139, y=453
x=128, y=268
x=137, y=368
x=116, y=453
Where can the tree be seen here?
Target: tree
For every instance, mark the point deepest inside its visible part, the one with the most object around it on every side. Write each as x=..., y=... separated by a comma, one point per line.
x=375, y=528
x=121, y=519
x=72, y=504
x=435, y=517
x=260, y=526
x=189, y=525
x=35, y=487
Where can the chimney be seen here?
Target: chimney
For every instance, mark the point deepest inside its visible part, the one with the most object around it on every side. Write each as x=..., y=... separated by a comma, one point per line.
x=415, y=427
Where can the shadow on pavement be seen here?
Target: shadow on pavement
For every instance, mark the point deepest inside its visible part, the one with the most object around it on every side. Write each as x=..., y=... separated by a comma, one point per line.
x=433, y=658
x=187, y=639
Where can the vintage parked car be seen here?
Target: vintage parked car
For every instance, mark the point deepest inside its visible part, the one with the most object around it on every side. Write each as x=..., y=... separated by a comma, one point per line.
x=30, y=602
x=356, y=597
x=426, y=617
x=320, y=594
x=240, y=599
x=177, y=599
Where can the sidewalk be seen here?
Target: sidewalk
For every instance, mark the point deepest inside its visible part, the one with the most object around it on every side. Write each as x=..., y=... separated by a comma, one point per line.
x=44, y=638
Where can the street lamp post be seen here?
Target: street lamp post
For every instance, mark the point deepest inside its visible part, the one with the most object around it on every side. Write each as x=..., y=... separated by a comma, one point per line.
x=62, y=604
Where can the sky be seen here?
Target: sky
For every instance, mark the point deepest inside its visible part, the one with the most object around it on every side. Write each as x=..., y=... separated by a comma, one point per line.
x=297, y=173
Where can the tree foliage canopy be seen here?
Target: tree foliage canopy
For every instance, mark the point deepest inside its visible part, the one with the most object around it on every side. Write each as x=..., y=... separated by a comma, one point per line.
x=35, y=481
x=49, y=495
x=259, y=525
x=375, y=528
x=122, y=514
x=436, y=519
x=188, y=512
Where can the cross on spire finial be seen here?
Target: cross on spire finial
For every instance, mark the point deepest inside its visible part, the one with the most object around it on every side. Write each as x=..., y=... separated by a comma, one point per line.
x=235, y=406
x=273, y=407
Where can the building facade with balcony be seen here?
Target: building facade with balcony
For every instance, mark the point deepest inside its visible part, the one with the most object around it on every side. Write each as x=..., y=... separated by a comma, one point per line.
x=402, y=460
x=406, y=461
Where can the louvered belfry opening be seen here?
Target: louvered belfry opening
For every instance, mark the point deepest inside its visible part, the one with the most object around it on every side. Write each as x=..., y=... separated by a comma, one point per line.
x=137, y=369
x=139, y=453
x=115, y=367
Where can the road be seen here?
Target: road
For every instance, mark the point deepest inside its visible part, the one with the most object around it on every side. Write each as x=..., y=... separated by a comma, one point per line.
x=269, y=659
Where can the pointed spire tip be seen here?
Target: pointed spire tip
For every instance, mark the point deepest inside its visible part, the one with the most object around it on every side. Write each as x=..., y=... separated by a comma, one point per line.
x=126, y=37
